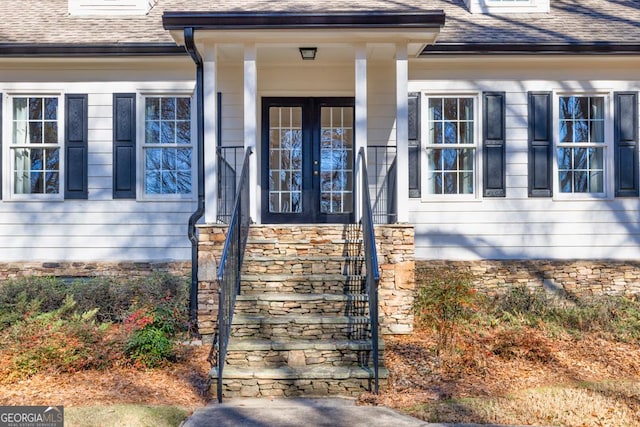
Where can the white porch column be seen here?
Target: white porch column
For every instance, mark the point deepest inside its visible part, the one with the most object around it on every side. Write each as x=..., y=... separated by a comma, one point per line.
x=361, y=118
x=402, y=132
x=210, y=115
x=251, y=124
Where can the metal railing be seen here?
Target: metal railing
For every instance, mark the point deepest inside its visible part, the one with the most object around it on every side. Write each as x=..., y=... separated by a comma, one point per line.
x=229, y=161
x=384, y=173
x=371, y=263
x=231, y=265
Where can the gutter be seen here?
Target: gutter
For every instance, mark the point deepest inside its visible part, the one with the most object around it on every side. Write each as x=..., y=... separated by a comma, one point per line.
x=444, y=49
x=199, y=212
x=21, y=50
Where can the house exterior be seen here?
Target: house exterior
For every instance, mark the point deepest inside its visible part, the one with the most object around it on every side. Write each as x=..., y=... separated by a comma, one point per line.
x=501, y=136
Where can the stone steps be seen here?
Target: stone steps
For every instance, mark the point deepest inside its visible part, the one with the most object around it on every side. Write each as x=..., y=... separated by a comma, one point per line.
x=294, y=382
x=278, y=304
x=253, y=353
x=301, y=284
x=305, y=264
x=300, y=327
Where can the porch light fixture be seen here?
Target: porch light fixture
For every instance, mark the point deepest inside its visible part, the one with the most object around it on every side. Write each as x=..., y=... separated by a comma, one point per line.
x=308, y=53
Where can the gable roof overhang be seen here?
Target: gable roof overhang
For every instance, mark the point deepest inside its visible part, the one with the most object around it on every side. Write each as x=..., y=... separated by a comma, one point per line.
x=416, y=29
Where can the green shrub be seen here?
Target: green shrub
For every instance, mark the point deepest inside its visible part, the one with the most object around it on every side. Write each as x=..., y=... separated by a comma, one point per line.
x=52, y=325
x=19, y=297
x=150, y=347
x=57, y=341
x=443, y=302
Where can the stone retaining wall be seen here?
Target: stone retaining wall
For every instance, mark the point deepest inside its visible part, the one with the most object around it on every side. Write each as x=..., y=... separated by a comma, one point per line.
x=72, y=270
x=581, y=278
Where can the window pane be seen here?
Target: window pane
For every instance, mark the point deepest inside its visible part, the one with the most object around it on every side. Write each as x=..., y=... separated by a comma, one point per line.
x=153, y=158
x=435, y=109
x=183, y=159
x=152, y=132
x=451, y=109
x=183, y=185
x=35, y=108
x=51, y=108
x=167, y=132
x=183, y=135
x=51, y=132
x=168, y=109
x=53, y=182
x=169, y=182
x=435, y=136
x=35, y=132
x=450, y=133
x=152, y=182
x=183, y=109
x=152, y=108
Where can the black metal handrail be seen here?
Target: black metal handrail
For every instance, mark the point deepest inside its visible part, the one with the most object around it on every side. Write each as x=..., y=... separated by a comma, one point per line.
x=371, y=263
x=383, y=187
x=231, y=265
x=229, y=161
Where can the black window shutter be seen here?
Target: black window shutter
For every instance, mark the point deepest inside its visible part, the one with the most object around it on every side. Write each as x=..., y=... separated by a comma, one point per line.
x=414, y=144
x=76, y=131
x=493, y=144
x=626, y=143
x=540, y=144
x=124, y=145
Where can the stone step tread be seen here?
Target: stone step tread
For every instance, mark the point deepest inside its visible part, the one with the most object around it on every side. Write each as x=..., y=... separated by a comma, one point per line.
x=249, y=257
x=285, y=345
x=243, y=319
x=266, y=277
x=273, y=296
x=288, y=373
x=251, y=241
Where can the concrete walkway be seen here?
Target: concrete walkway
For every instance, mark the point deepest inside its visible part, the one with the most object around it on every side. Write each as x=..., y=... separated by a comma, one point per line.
x=329, y=412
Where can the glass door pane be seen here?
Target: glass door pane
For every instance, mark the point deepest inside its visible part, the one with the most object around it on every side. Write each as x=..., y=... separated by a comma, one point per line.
x=336, y=160
x=285, y=159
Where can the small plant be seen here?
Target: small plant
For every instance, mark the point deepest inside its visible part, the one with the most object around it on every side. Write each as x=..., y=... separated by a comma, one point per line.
x=443, y=302
x=150, y=347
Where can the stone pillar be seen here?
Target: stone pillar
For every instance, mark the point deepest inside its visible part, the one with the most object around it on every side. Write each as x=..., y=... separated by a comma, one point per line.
x=396, y=258
x=210, y=247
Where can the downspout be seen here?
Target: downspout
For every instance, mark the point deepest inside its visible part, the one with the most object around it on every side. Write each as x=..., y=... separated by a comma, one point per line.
x=190, y=46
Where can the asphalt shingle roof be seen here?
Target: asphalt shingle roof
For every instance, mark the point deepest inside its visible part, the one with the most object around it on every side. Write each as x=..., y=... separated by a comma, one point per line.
x=569, y=22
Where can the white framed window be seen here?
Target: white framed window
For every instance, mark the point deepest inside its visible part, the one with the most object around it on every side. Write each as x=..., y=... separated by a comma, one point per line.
x=167, y=148
x=582, y=141
x=451, y=146
x=35, y=148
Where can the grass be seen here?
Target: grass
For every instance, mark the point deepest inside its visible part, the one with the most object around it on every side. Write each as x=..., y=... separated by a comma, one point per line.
x=587, y=404
x=124, y=415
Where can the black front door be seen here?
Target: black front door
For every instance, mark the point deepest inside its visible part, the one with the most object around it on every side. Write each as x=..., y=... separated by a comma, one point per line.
x=307, y=160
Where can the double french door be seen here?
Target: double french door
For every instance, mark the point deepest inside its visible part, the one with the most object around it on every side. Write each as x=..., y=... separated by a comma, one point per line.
x=307, y=160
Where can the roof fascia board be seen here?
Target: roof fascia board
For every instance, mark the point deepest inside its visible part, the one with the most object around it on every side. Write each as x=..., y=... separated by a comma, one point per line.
x=531, y=49
x=74, y=50
x=288, y=20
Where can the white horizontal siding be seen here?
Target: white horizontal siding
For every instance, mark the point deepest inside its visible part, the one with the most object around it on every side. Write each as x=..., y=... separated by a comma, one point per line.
x=100, y=228
x=516, y=226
